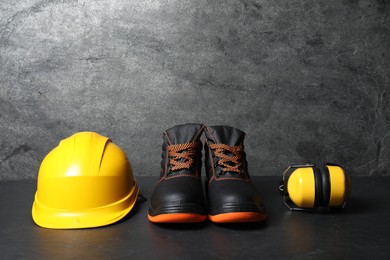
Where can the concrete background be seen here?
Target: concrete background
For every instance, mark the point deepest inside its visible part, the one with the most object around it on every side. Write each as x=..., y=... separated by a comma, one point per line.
x=306, y=80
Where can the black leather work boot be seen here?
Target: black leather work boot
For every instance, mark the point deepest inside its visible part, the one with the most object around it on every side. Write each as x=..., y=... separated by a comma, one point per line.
x=232, y=197
x=178, y=196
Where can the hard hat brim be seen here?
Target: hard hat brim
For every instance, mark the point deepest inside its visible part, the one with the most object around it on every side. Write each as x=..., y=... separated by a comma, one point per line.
x=55, y=218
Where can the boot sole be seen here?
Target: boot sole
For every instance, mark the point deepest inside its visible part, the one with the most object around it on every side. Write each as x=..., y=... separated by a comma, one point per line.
x=177, y=218
x=238, y=217
x=177, y=213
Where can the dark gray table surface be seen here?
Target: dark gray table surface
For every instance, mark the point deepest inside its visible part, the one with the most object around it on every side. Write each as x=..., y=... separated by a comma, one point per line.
x=360, y=231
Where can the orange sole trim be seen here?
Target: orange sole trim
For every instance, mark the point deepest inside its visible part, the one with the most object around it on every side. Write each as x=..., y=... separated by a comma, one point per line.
x=177, y=218
x=237, y=217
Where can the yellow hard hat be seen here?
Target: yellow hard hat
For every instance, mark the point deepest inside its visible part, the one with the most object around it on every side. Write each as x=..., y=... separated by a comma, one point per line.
x=86, y=181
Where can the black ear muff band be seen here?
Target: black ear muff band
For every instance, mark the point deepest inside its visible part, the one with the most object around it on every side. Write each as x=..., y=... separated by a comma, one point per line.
x=325, y=185
x=322, y=185
x=318, y=187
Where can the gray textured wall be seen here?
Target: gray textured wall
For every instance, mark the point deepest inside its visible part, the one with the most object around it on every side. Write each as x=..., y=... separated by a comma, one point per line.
x=306, y=80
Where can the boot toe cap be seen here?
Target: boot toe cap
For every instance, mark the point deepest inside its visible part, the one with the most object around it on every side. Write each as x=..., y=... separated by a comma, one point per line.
x=234, y=196
x=177, y=195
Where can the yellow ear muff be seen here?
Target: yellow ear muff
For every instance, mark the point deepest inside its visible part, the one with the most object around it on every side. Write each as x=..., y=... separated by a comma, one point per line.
x=341, y=186
x=308, y=187
x=301, y=187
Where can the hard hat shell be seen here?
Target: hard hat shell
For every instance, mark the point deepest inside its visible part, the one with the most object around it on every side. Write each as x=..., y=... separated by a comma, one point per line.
x=86, y=181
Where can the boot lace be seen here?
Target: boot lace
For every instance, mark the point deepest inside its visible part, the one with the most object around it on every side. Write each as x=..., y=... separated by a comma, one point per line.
x=229, y=157
x=181, y=155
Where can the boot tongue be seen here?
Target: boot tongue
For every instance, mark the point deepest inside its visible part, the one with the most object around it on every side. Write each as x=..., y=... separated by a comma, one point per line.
x=225, y=135
x=186, y=133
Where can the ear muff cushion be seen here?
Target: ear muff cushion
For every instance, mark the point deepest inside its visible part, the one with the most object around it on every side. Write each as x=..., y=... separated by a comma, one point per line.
x=322, y=183
x=318, y=187
x=325, y=185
